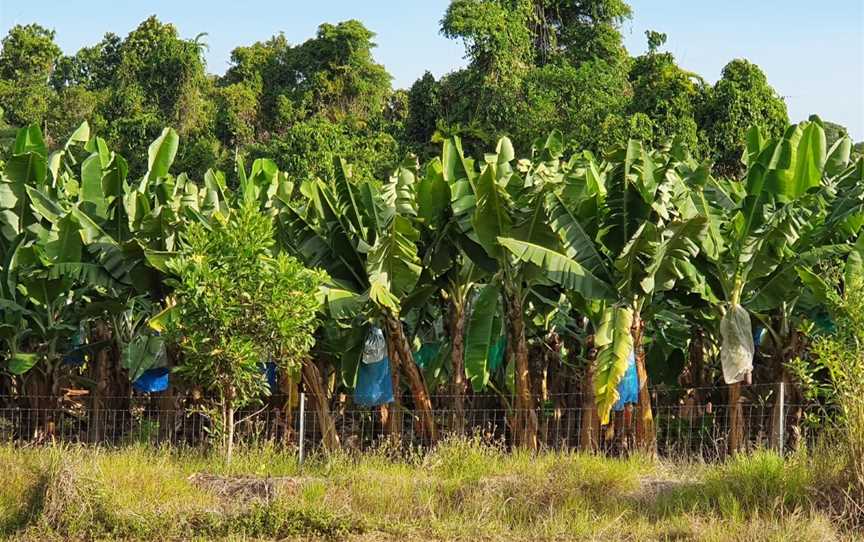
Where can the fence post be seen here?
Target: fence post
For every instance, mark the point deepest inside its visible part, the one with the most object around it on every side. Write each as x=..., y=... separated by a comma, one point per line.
x=302, y=425
x=781, y=423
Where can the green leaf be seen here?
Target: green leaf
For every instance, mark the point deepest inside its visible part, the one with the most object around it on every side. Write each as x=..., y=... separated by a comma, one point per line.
x=560, y=269
x=853, y=273
x=614, y=344
x=772, y=292
x=163, y=319
x=158, y=259
x=481, y=335
x=80, y=136
x=678, y=243
x=29, y=139
x=433, y=195
x=491, y=218
x=44, y=206
x=67, y=245
x=90, y=192
x=806, y=148
x=455, y=166
x=578, y=245
x=9, y=264
x=352, y=354
x=143, y=353
x=816, y=284
x=505, y=150
x=161, y=153
x=20, y=363
x=342, y=304
x=399, y=192
x=393, y=265
x=838, y=156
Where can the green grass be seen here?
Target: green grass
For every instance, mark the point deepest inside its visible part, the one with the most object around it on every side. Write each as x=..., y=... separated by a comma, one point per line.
x=463, y=490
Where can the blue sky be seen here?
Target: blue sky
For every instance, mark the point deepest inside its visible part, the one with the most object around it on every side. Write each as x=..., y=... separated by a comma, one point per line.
x=813, y=52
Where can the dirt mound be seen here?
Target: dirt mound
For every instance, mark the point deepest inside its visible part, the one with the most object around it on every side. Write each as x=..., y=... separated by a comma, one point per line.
x=247, y=488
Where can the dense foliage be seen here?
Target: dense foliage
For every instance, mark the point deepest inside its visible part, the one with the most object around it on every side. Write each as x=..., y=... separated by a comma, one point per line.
x=654, y=215
x=534, y=66
x=642, y=251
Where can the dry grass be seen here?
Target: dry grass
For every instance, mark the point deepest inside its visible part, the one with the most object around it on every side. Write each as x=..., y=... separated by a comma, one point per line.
x=461, y=491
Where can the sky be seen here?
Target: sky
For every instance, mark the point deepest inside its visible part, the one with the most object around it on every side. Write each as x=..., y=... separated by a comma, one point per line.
x=812, y=52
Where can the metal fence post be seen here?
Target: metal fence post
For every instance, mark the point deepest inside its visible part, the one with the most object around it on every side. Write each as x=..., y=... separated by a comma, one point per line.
x=781, y=425
x=302, y=425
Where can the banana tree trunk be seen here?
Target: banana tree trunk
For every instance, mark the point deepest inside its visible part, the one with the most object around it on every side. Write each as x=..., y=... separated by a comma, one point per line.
x=525, y=419
x=315, y=385
x=646, y=437
x=551, y=376
x=103, y=383
x=735, y=419
x=419, y=391
x=457, y=362
x=589, y=424
x=692, y=376
x=391, y=414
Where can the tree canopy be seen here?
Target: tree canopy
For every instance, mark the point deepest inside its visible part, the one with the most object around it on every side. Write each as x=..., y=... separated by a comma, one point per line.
x=533, y=66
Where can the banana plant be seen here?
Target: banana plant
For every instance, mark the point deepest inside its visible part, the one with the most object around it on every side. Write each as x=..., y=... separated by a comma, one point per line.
x=780, y=220
x=504, y=205
x=446, y=201
x=617, y=245
x=46, y=274
x=365, y=237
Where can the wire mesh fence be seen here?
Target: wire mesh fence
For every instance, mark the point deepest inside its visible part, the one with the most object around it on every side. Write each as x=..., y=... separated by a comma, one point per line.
x=689, y=423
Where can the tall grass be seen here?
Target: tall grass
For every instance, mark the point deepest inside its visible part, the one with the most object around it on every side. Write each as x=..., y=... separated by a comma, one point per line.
x=461, y=490
x=842, y=354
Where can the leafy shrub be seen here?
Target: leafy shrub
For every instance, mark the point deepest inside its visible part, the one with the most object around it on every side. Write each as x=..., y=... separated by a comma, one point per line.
x=842, y=354
x=237, y=306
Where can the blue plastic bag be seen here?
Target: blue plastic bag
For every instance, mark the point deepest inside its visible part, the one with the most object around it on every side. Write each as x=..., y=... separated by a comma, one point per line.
x=270, y=370
x=75, y=355
x=628, y=388
x=758, y=335
x=374, y=385
x=152, y=381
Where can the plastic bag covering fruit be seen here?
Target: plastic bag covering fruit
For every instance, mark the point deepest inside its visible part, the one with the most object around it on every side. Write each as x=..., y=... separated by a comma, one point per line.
x=375, y=348
x=737, y=349
x=628, y=388
x=374, y=382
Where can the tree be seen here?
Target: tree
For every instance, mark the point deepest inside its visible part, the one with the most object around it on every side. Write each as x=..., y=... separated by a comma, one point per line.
x=238, y=305
x=26, y=62
x=582, y=30
x=535, y=66
x=305, y=105
x=742, y=98
x=93, y=67
x=423, y=108
x=575, y=101
x=29, y=52
x=668, y=96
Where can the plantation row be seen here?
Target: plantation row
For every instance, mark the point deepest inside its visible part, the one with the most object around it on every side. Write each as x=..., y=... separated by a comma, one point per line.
x=510, y=279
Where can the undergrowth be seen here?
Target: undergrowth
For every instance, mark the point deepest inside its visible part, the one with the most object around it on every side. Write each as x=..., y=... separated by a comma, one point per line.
x=461, y=490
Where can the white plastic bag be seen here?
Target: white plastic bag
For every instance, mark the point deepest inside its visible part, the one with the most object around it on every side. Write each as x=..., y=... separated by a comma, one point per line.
x=375, y=348
x=737, y=349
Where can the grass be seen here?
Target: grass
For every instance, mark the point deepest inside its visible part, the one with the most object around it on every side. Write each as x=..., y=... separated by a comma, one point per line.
x=462, y=490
